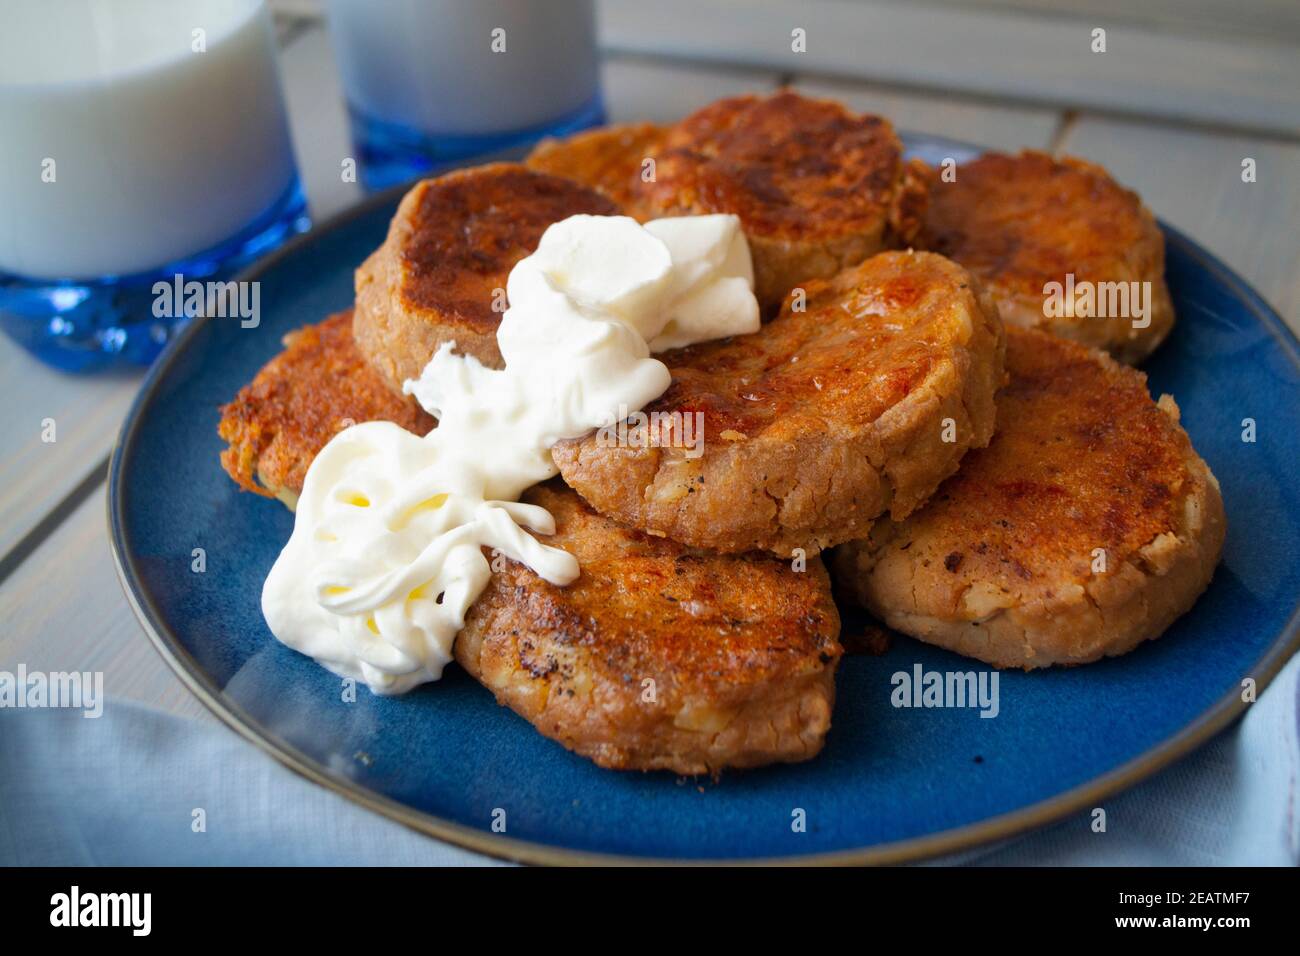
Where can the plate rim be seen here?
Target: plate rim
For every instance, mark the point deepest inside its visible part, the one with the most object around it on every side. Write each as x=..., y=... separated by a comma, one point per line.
x=1225, y=711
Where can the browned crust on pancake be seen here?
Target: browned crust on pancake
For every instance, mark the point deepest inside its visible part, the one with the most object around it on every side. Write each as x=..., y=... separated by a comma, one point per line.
x=450, y=247
x=998, y=565
x=740, y=652
x=1019, y=222
x=816, y=186
x=609, y=160
x=300, y=399
x=817, y=424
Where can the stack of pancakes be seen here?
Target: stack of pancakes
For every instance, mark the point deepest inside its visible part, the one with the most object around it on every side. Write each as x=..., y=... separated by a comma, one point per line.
x=1011, y=493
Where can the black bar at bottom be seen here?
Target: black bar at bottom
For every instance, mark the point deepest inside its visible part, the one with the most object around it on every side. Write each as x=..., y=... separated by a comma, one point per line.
x=665, y=904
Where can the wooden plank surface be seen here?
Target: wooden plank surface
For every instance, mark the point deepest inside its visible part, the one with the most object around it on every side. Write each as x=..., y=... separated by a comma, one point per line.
x=318, y=120
x=64, y=611
x=1193, y=179
x=35, y=476
x=1199, y=78
x=637, y=90
x=1253, y=18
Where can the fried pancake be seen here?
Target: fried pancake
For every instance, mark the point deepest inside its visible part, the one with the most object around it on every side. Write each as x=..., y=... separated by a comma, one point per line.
x=817, y=187
x=317, y=386
x=657, y=657
x=740, y=652
x=440, y=275
x=1087, y=526
x=609, y=160
x=814, y=426
x=1021, y=222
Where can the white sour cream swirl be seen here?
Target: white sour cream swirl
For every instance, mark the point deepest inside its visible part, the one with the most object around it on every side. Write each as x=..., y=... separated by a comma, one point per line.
x=386, y=557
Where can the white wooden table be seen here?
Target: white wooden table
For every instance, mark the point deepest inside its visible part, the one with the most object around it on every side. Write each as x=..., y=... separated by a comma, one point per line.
x=1179, y=140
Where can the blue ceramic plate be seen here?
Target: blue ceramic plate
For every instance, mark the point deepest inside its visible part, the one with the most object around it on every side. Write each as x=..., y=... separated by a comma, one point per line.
x=891, y=785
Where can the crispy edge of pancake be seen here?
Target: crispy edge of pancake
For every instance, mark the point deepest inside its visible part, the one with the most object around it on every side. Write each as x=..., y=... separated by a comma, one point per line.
x=1020, y=221
x=997, y=567
x=840, y=443
x=608, y=159
x=298, y=401
x=775, y=630
x=440, y=274
x=657, y=657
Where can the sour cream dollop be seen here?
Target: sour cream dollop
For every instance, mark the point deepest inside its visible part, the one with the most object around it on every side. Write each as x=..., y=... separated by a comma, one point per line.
x=386, y=556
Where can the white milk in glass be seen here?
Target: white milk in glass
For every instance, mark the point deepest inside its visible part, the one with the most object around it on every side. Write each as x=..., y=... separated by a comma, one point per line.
x=134, y=133
x=465, y=67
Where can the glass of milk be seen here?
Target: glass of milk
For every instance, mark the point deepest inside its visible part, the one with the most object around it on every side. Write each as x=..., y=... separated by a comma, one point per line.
x=429, y=82
x=141, y=143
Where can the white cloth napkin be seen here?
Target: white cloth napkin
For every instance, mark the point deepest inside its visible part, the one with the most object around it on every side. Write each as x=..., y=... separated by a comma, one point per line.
x=123, y=789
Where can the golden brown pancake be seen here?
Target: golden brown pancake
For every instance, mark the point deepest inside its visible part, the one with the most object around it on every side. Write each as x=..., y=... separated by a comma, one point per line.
x=440, y=276
x=815, y=425
x=657, y=657
x=610, y=160
x=817, y=187
x=1088, y=525
x=1021, y=222
x=316, y=387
